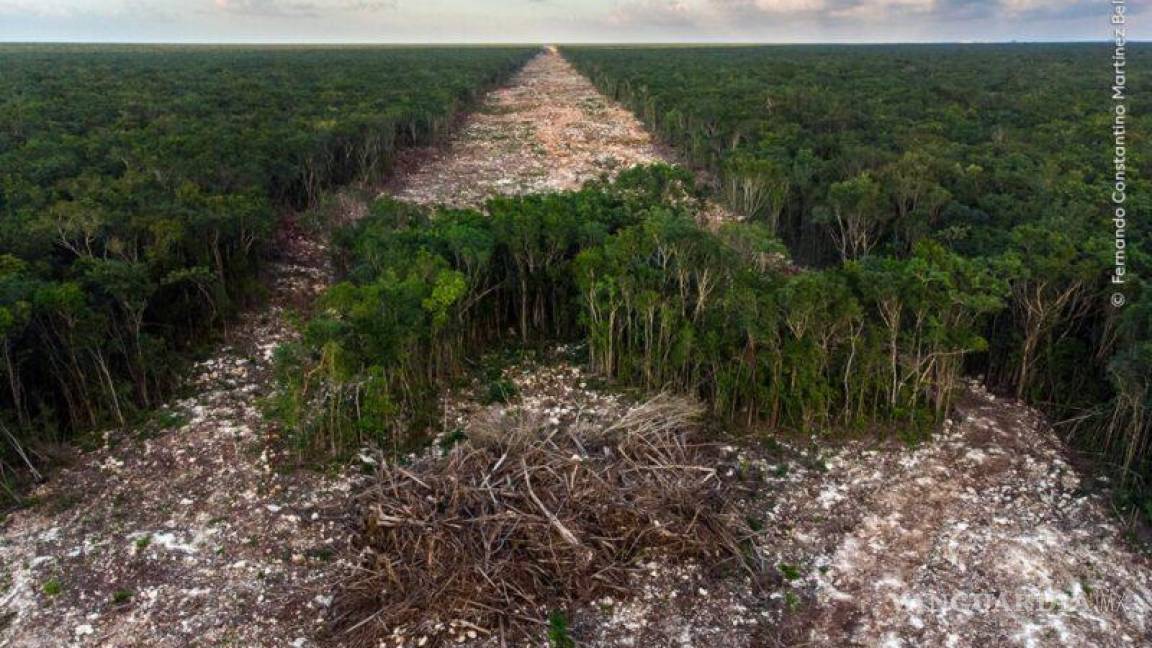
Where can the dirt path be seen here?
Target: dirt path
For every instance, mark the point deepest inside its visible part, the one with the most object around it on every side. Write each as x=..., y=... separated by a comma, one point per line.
x=185, y=531
x=983, y=536
x=549, y=130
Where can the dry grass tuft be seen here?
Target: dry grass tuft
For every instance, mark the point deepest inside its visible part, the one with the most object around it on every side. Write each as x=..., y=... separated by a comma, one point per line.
x=525, y=517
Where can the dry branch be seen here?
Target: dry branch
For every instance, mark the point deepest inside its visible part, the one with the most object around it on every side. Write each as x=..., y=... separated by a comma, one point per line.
x=522, y=519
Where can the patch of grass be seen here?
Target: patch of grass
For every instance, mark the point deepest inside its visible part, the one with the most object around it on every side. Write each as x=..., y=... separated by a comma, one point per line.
x=51, y=587
x=12, y=490
x=500, y=391
x=791, y=601
x=53, y=505
x=142, y=542
x=558, y=634
x=790, y=572
x=496, y=109
x=89, y=441
x=918, y=429
x=322, y=554
x=492, y=364
x=771, y=446
x=1133, y=497
x=602, y=384
x=168, y=419
x=449, y=441
x=576, y=354
x=812, y=460
x=120, y=597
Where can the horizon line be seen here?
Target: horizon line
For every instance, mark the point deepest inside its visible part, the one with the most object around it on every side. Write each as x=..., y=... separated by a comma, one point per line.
x=354, y=43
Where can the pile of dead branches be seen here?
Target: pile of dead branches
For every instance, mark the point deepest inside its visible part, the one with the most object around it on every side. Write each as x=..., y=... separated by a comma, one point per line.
x=525, y=517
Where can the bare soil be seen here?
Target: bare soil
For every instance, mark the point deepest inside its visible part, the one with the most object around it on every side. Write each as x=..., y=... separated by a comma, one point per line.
x=195, y=530
x=191, y=529
x=549, y=130
x=983, y=536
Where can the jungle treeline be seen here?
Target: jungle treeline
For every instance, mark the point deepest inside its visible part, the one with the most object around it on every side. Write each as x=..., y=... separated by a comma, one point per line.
x=140, y=188
x=1001, y=155
x=661, y=303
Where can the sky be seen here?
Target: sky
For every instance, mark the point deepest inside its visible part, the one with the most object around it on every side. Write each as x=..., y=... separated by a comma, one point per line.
x=555, y=21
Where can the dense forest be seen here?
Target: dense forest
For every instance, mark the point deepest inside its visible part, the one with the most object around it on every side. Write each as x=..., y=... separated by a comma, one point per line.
x=661, y=303
x=140, y=187
x=1001, y=155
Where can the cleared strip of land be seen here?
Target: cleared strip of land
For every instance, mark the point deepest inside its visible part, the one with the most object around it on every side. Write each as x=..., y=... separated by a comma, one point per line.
x=549, y=130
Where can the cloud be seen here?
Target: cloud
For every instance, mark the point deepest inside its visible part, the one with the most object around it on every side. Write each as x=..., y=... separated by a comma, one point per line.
x=301, y=8
x=761, y=13
x=776, y=9
x=767, y=7
x=652, y=13
x=759, y=18
x=549, y=20
x=877, y=9
x=57, y=8
x=1051, y=8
